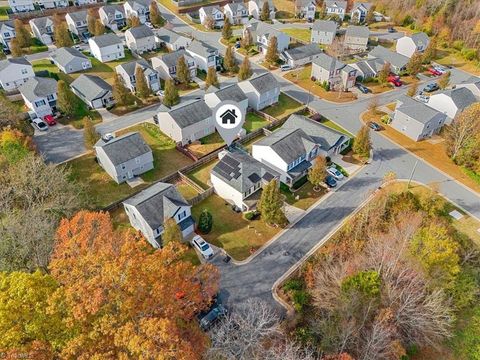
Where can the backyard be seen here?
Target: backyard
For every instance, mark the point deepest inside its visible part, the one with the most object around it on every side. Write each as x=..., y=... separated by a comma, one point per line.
x=206, y=145
x=231, y=231
x=254, y=122
x=286, y=9
x=299, y=34
x=285, y=106
x=201, y=175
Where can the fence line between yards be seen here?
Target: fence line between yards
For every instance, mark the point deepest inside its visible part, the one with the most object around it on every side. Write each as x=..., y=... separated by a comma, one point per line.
x=24, y=16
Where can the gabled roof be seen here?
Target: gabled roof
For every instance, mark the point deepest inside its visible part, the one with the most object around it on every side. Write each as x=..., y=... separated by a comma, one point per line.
x=168, y=36
x=392, y=57
x=190, y=113
x=8, y=23
x=261, y=28
x=201, y=48
x=369, y=65
x=325, y=26
x=38, y=87
x=462, y=97
x=420, y=39
x=336, y=3
x=78, y=15
x=302, y=52
x=211, y=10
x=365, y=5
x=235, y=7
x=106, y=40
x=131, y=66
x=90, y=86
x=41, y=23
x=157, y=203
x=264, y=82
x=416, y=109
x=304, y=3
x=330, y=63
x=241, y=171
x=140, y=32
x=171, y=59
x=135, y=4
x=357, y=31
x=19, y=61
x=124, y=148
x=231, y=92
x=65, y=55
x=260, y=3
x=111, y=9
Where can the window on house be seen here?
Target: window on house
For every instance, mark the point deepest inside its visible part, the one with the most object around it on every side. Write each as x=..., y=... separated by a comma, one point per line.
x=40, y=103
x=123, y=167
x=24, y=71
x=182, y=215
x=50, y=97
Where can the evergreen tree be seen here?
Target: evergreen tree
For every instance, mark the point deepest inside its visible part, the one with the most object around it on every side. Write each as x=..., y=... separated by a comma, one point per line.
x=211, y=79
x=227, y=29
x=91, y=21
x=430, y=52
x=15, y=48
x=183, y=75
x=444, y=80
x=271, y=203
x=205, y=222
x=171, y=232
x=318, y=172
x=22, y=35
x=229, y=60
x=170, y=97
x=246, y=39
x=244, y=72
x=271, y=56
x=61, y=35
x=90, y=135
x=120, y=92
x=155, y=17
x=99, y=28
x=414, y=65
x=133, y=21
x=362, y=144
x=143, y=91
x=265, y=15
x=67, y=101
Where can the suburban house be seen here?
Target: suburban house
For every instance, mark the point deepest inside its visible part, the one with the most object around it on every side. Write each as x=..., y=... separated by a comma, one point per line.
x=107, y=47
x=262, y=90
x=93, y=90
x=255, y=8
x=337, y=74
x=42, y=29
x=359, y=12
x=238, y=178
x=140, y=39
x=166, y=65
x=472, y=84
x=52, y=4
x=337, y=8
x=7, y=33
x=205, y=56
x=112, y=16
x=356, y=38
x=14, y=72
x=187, y=122
x=452, y=102
x=261, y=33
x=21, y=5
x=213, y=12
x=70, y=60
x=148, y=210
x=124, y=157
x=215, y=96
x=301, y=55
x=408, y=45
x=306, y=9
x=237, y=13
x=40, y=95
x=88, y=2
x=138, y=8
x=77, y=23
x=171, y=40
x=128, y=70
x=398, y=62
x=415, y=119
x=323, y=32
x=368, y=68
x=292, y=149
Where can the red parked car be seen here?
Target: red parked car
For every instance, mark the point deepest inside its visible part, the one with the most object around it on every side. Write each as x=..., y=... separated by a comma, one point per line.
x=394, y=79
x=434, y=71
x=49, y=120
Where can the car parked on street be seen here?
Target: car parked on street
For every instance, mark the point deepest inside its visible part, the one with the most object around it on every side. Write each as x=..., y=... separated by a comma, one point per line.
x=391, y=30
x=209, y=318
x=431, y=87
x=49, y=120
x=330, y=181
x=362, y=88
x=374, y=126
x=202, y=246
x=422, y=98
x=40, y=124
x=335, y=173
x=440, y=69
x=395, y=80
x=434, y=71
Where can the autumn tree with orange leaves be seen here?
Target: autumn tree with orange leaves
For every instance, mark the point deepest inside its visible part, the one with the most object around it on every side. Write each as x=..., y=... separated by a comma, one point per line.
x=126, y=300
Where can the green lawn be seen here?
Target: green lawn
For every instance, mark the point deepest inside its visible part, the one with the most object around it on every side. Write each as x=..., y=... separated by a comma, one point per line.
x=3, y=12
x=285, y=106
x=201, y=176
x=187, y=190
x=254, y=122
x=337, y=127
x=306, y=196
x=207, y=144
x=300, y=34
x=231, y=231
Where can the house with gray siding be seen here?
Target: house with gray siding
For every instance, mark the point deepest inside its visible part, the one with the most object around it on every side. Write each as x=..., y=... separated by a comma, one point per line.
x=166, y=65
x=398, y=62
x=171, y=40
x=306, y=9
x=262, y=90
x=415, y=119
x=301, y=55
x=93, y=90
x=262, y=32
x=140, y=39
x=42, y=29
x=323, y=32
x=149, y=209
x=128, y=73
x=70, y=60
x=186, y=122
x=368, y=68
x=205, y=56
x=77, y=23
x=7, y=33
x=337, y=74
x=124, y=157
x=40, y=95
x=14, y=72
x=112, y=16
x=236, y=12
x=356, y=38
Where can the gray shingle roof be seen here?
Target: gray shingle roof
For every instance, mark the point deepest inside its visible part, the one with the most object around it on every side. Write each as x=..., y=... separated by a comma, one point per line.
x=462, y=97
x=325, y=26
x=171, y=59
x=157, y=203
x=420, y=39
x=107, y=40
x=79, y=15
x=38, y=87
x=131, y=66
x=231, y=92
x=264, y=82
x=41, y=23
x=167, y=36
x=90, y=86
x=302, y=52
x=211, y=10
x=328, y=62
x=135, y=4
x=241, y=171
x=66, y=54
x=190, y=113
x=124, y=148
x=395, y=59
x=339, y=3
x=235, y=7
x=358, y=31
x=366, y=5
x=200, y=48
x=416, y=109
x=8, y=23
x=111, y=9
x=140, y=32
x=261, y=28
x=20, y=61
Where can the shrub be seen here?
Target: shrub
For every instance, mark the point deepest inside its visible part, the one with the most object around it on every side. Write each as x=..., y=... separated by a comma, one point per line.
x=300, y=299
x=458, y=45
x=469, y=54
x=293, y=284
x=385, y=119
x=205, y=222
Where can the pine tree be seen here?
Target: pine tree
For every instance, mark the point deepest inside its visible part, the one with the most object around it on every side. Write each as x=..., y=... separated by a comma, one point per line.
x=67, y=101
x=271, y=56
x=133, y=21
x=229, y=60
x=318, y=172
x=412, y=90
x=15, y=48
x=362, y=144
x=271, y=203
x=22, y=34
x=246, y=39
x=414, y=65
x=120, y=93
x=99, y=28
x=171, y=232
x=244, y=72
x=205, y=222
x=227, y=29
x=444, y=80
x=90, y=135
x=91, y=21
x=143, y=91
x=155, y=17
x=265, y=15
x=170, y=97
x=183, y=75
x=62, y=36
x=211, y=79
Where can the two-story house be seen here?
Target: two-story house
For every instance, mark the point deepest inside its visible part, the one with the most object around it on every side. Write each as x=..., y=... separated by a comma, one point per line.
x=359, y=12
x=14, y=72
x=410, y=44
x=52, y=4
x=7, y=33
x=42, y=29
x=70, y=60
x=21, y=5
x=292, y=149
x=323, y=32
x=301, y=55
x=452, y=102
x=368, y=68
x=339, y=76
x=398, y=62
x=124, y=157
x=138, y=8
x=77, y=24
x=149, y=209
x=255, y=8
x=187, y=122
x=166, y=65
x=107, y=47
x=336, y=8
x=356, y=38
x=238, y=178
x=171, y=40
x=40, y=95
x=237, y=13
x=215, y=96
x=262, y=32
x=140, y=39
x=306, y=9
x=211, y=12
x=112, y=16
x=262, y=90
x=128, y=73
x=205, y=56
x=93, y=91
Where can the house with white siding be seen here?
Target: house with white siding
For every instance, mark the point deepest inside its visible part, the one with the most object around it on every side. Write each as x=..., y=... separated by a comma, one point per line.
x=368, y=68
x=262, y=32
x=398, y=62
x=70, y=60
x=107, y=47
x=112, y=16
x=472, y=84
x=42, y=29
x=306, y=9
x=14, y=72
x=52, y=4
x=140, y=39
x=452, y=102
x=356, y=38
x=166, y=64
x=40, y=95
x=359, y=12
x=301, y=55
x=171, y=40
x=262, y=90
x=138, y=8
x=93, y=91
x=88, y=2
x=337, y=8
x=255, y=8
x=205, y=56
x=128, y=73
x=7, y=33
x=215, y=96
x=213, y=12
x=337, y=74
x=21, y=5
x=410, y=44
x=77, y=23
x=237, y=13
x=323, y=32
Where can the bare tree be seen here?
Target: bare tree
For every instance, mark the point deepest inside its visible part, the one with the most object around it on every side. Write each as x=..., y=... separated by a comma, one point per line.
x=463, y=129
